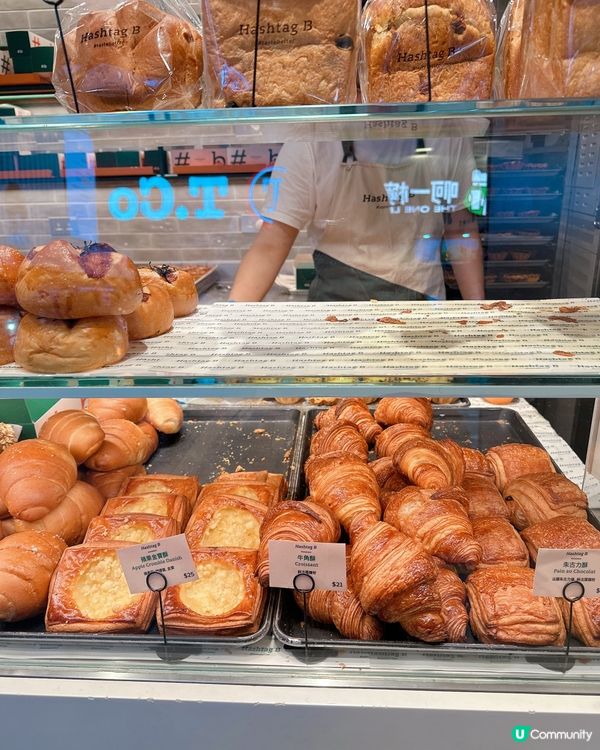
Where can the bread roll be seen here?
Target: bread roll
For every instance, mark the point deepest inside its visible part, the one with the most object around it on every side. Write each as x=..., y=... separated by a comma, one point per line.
x=79, y=432
x=69, y=520
x=133, y=409
x=125, y=444
x=179, y=285
x=153, y=317
x=9, y=323
x=35, y=476
x=110, y=483
x=10, y=262
x=461, y=50
x=151, y=438
x=165, y=415
x=27, y=563
x=58, y=346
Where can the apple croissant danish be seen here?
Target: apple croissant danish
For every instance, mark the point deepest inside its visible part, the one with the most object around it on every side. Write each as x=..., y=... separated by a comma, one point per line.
x=392, y=410
x=500, y=543
x=396, y=581
x=431, y=464
x=340, y=436
x=561, y=532
x=533, y=498
x=485, y=500
x=586, y=620
x=438, y=520
x=347, y=486
x=454, y=611
x=513, y=460
x=352, y=410
x=388, y=441
x=504, y=609
x=295, y=522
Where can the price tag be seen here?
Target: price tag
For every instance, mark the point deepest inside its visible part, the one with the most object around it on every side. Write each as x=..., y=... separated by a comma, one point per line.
x=324, y=563
x=555, y=568
x=170, y=556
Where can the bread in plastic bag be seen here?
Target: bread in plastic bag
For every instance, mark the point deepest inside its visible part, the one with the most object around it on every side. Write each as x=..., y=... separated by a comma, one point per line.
x=141, y=54
x=461, y=37
x=307, y=52
x=550, y=49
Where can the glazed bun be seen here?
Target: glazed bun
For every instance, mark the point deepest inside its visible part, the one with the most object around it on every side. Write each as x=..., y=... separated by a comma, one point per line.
x=153, y=317
x=179, y=284
x=60, y=346
x=9, y=323
x=79, y=432
x=10, y=262
x=60, y=280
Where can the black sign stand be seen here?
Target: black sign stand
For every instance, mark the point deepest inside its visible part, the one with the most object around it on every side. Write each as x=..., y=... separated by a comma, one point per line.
x=572, y=592
x=56, y=5
x=304, y=583
x=157, y=582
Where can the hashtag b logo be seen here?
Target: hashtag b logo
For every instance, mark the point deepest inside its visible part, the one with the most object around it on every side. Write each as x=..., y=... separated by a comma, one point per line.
x=520, y=734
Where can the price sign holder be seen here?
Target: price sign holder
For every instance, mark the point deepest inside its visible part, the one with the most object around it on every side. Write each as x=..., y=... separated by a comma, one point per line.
x=157, y=582
x=304, y=583
x=56, y=5
x=572, y=592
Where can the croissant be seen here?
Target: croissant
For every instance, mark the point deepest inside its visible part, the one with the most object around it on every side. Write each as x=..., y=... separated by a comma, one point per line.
x=340, y=436
x=79, y=432
x=455, y=453
x=485, y=500
x=352, y=410
x=35, y=476
x=388, y=441
x=500, y=543
x=295, y=522
x=475, y=462
x=430, y=464
x=151, y=439
x=387, y=476
x=392, y=410
x=438, y=520
x=346, y=485
x=560, y=532
x=454, y=611
x=395, y=580
x=533, y=498
x=512, y=461
x=69, y=520
x=110, y=483
x=586, y=620
x=318, y=605
x=133, y=409
x=165, y=415
x=125, y=444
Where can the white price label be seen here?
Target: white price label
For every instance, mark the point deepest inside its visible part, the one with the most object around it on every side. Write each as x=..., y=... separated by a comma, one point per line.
x=170, y=557
x=324, y=563
x=556, y=568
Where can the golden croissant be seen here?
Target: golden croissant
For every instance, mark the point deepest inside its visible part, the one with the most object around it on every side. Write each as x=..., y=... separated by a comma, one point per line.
x=392, y=410
x=431, y=464
x=534, y=498
x=340, y=436
x=352, y=410
x=388, y=441
x=386, y=474
x=454, y=611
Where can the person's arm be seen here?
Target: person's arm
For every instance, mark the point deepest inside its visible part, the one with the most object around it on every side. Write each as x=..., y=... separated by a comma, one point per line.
x=263, y=261
x=463, y=245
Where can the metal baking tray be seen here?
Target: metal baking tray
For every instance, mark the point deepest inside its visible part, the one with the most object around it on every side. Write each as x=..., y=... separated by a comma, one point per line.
x=480, y=428
x=212, y=440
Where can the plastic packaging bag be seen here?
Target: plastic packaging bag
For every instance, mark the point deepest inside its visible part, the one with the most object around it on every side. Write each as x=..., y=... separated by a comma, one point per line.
x=307, y=52
x=554, y=51
x=459, y=41
x=141, y=54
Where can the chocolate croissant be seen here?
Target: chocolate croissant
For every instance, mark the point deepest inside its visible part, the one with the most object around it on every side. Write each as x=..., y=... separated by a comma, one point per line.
x=347, y=486
x=392, y=410
x=430, y=464
x=534, y=498
x=500, y=543
x=388, y=441
x=396, y=581
x=295, y=522
x=454, y=611
x=586, y=620
x=475, y=462
x=352, y=410
x=340, y=436
x=438, y=520
x=561, y=532
x=513, y=460
x=485, y=500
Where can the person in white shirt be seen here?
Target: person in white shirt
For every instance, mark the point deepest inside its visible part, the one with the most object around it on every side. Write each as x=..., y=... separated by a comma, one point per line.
x=377, y=213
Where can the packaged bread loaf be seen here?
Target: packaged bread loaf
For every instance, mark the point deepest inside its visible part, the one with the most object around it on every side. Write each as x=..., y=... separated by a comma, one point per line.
x=305, y=52
x=132, y=55
x=414, y=50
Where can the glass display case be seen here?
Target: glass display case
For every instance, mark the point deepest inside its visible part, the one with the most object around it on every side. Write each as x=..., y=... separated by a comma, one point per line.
x=493, y=208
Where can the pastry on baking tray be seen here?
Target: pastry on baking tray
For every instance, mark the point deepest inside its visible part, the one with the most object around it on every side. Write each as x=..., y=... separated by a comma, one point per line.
x=80, y=433
x=454, y=611
x=276, y=483
x=226, y=521
x=392, y=410
x=340, y=435
x=431, y=464
x=188, y=486
x=260, y=493
x=124, y=444
x=533, y=498
x=133, y=409
x=484, y=497
x=226, y=599
x=500, y=543
x=504, y=609
x=352, y=410
x=89, y=593
x=166, y=504
x=561, y=532
x=513, y=460
x=388, y=441
x=586, y=620
x=387, y=476
x=137, y=528
x=110, y=483
x=475, y=461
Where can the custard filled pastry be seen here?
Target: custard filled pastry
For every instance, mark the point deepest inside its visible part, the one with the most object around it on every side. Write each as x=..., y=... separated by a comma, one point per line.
x=226, y=521
x=136, y=528
x=89, y=593
x=276, y=483
x=431, y=464
x=392, y=410
x=438, y=520
x=351, y=410
x=180, y=485
x=504, y=609
x=513, y=460
x=341, y=435
x=500, y=543
x=225, y=599
x=561, y=532
x=485, y=500
x=166, y=504
x=534, y=498
x=345, y=484
x=586, y=620
x=294, y=522
x=388, y=442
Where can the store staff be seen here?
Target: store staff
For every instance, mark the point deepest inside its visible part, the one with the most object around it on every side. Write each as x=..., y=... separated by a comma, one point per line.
x=378, y=212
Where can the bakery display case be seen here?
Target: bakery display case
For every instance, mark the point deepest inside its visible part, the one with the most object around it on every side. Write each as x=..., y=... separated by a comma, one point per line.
x=254, y=384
